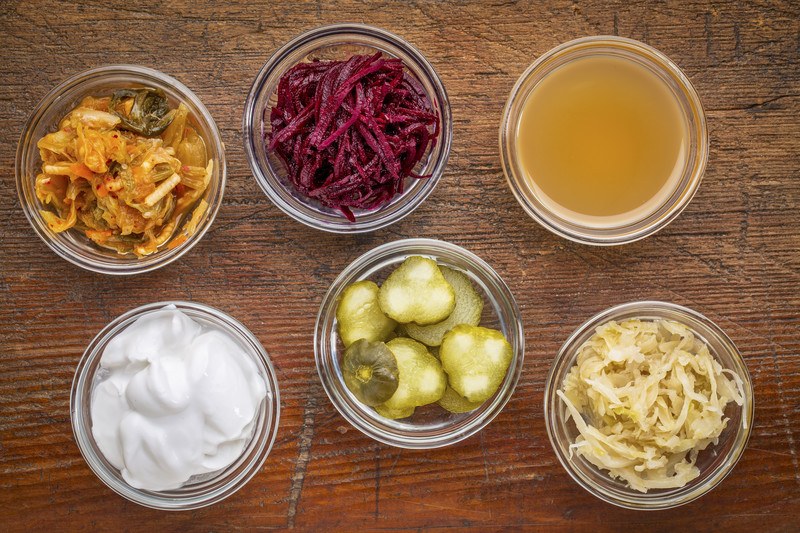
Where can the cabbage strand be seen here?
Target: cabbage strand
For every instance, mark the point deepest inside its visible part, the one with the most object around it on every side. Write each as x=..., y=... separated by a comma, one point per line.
x=646, y=398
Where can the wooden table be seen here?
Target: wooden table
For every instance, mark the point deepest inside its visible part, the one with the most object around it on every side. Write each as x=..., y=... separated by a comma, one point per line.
x=732, y=255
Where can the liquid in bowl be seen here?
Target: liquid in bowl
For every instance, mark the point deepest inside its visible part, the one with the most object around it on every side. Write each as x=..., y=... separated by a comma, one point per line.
x=602, y=140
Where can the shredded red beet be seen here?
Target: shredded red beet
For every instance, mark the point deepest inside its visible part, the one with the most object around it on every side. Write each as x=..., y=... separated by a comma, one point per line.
x=350, y=132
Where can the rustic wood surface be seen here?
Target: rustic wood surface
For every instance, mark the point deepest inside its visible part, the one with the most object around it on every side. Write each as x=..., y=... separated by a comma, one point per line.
x=732, y=255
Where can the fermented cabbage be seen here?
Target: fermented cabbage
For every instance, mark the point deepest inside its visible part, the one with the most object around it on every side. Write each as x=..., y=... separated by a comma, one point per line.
x=126, y=171
x=647, y=397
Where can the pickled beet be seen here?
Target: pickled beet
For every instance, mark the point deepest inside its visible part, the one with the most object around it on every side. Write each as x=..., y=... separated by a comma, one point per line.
x=350, y=132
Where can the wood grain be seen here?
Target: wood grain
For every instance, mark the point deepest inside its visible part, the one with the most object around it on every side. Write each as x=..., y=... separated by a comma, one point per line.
x=732, y=255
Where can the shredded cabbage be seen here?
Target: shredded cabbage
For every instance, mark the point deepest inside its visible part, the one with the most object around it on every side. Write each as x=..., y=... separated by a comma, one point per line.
x=646, y=398
x=125, y=191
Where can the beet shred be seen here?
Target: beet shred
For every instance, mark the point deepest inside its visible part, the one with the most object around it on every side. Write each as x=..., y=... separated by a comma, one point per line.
x=350, y=132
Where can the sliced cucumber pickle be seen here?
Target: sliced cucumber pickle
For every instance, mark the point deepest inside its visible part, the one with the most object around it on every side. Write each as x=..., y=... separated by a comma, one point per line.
x=360, y=316
x=476, y=360
x=394, y=414
x=468, y=309
x=417, y=292
x=455, y=403
x=421, y=379
x=370, y=371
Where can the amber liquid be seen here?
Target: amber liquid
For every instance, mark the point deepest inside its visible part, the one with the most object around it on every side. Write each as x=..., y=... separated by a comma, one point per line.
x=602, y=140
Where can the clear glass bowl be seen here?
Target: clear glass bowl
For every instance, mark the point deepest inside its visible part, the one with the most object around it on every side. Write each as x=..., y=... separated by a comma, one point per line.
x=201, y=490
x=685, y=96
x=715, y=462
x=72, y=245
x=341, y=41
x=430, y=426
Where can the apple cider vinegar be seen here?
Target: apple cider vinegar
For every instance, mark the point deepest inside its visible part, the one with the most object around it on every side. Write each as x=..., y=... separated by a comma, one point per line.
x=602, y=140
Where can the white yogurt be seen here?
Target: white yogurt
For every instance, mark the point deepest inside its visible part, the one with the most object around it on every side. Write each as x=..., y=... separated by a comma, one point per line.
x=175, y=399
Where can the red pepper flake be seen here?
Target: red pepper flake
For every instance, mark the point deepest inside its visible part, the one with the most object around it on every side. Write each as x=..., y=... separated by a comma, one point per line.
x=350, y=132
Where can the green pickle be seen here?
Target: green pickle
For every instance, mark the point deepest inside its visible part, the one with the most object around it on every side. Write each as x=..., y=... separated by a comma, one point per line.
x=476, y=360
x=394, y=414
x=359, y=315
x=468, y=309
x=455, y=403
x=417, y=292
x=370, y=371
x=421, y=379
x=416, y=341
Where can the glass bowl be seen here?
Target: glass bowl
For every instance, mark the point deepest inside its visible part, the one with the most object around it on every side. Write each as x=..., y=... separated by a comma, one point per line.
x=201, y=490
x=72, y=245
x=650, y=220
x=340, y=41
x=430, y=426
x=715, y=462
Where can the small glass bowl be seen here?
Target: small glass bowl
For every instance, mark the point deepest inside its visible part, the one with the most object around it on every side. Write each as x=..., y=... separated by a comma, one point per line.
x=696, y=154
x=336, y=42
x=430, y=426
x=72, y=245
x=715, y=462
x=202, y=490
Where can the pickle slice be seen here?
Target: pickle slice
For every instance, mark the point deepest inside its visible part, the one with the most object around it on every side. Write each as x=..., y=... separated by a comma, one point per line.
x=455, y=403
x=476, y=360
x=468, y=309
x=370, y=371
x=394, y=414
x=417, y=292
x=421, y=379
x=359, y=315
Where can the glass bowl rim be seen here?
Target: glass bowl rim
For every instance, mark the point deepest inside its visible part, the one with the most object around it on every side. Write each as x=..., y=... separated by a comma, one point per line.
x=672, y=207
x=26, y=145
x=269, y=182
x=503, y=300
x=270, y=409
x=651, y=501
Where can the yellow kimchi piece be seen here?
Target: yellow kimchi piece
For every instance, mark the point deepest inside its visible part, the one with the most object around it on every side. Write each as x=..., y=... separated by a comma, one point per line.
x=124, y=174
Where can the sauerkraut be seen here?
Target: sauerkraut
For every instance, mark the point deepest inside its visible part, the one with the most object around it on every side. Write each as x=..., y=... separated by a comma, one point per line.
x=646, y=398
x=125, y=170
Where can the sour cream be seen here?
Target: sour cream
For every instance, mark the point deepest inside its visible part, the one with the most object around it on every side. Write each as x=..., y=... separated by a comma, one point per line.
x=174, y=399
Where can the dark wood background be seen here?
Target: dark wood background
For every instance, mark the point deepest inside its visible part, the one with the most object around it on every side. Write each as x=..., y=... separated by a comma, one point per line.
x=732, y=255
